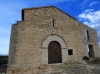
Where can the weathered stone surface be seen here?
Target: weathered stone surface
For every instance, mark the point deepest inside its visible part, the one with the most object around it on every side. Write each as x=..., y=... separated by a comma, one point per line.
x=26, y=52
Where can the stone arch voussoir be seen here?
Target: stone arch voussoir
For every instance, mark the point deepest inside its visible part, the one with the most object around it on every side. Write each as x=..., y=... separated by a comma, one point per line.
x=44, y=49
x=50, y=38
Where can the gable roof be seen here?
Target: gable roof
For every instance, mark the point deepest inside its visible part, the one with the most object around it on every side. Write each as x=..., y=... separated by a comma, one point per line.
x=48, y=7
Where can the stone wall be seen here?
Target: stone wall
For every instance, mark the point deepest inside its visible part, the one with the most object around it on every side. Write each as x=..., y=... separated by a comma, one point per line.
x=93, y=39
x=27, y=36
x=13, y=42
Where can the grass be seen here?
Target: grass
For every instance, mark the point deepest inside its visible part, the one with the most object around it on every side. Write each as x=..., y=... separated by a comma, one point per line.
x=3, y=60
x=94, y=61
x=3, y=63
x=71, y=69
x=96, y=71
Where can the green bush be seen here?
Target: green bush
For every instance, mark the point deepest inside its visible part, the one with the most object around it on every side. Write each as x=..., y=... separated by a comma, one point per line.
x=3, y=60
x=94, y=60
x=86, y=58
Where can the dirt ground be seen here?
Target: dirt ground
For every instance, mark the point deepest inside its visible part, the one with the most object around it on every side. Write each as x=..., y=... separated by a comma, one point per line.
x=67, y=68
x=82, y=68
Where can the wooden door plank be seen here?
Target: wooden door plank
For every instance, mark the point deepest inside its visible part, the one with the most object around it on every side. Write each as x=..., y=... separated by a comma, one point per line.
x=54, y=52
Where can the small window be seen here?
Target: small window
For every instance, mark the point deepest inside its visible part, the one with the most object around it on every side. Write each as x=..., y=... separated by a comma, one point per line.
x=87, y=35
x=70, y=52
x=53, y=22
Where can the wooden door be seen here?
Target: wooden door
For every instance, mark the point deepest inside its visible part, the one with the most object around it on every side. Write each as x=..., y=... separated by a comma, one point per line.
x=54, y=52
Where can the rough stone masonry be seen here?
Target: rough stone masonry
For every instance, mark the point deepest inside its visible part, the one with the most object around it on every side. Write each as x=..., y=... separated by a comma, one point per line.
x=47, y=35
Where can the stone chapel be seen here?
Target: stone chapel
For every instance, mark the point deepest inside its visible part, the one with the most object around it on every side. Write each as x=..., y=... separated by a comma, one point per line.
x=47, y=35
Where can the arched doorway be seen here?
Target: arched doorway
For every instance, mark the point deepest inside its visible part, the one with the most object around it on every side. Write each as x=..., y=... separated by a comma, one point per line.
x=46, y=46
x=54, y=52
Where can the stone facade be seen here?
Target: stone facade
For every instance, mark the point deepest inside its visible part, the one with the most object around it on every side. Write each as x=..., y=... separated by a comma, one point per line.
x=39, y=26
